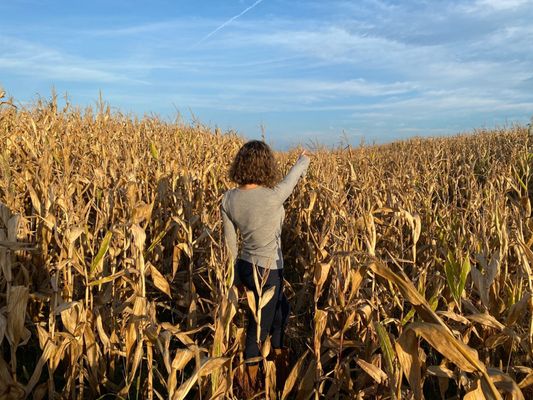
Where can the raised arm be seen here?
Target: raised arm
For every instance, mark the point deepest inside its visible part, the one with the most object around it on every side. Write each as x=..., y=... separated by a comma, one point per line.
x=230, y=236
x=286, y=186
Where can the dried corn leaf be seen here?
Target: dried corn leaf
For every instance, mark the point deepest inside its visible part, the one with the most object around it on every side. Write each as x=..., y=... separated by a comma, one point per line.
x=139, y=236
x=251, y=302
x=159, y=280
x=307, y=383
x=449, y=346
x=266, y=297
x=16, y=332
x=270, y=380
x=9, y=388
x=375, y=373
x=293, y=376
x=407, y=351
x=208, y=367
x=441, y=341
x=182, y=358
x=527, y=381
x=476, y=393
x=49, y=349
x=518, y=310
x=487, y=320
x=441, y=371
x=212, y=364
x=506, y=384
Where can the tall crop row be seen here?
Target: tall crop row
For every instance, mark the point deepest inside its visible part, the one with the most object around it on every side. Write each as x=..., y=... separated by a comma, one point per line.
x=408, y=265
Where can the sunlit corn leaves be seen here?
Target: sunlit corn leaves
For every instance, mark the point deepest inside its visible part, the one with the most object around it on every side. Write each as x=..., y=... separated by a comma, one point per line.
x=408, y=265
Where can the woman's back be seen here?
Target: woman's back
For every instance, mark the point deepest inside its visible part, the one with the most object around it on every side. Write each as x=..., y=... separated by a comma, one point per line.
x=258, y=215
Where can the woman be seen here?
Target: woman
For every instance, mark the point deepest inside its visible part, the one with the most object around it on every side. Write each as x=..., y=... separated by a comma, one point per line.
x=255, y=209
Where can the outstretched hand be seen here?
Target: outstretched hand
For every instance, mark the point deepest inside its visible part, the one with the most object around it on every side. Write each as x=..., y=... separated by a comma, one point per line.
x=305, y=153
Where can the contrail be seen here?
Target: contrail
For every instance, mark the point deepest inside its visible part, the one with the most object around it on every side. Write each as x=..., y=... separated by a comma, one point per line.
x=229, y=21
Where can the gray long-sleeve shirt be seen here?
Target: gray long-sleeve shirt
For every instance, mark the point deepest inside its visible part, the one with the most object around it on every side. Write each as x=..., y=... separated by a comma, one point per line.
x=258, y=215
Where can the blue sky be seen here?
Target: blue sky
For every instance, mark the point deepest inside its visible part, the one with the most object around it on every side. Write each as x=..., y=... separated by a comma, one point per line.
x=306, y=71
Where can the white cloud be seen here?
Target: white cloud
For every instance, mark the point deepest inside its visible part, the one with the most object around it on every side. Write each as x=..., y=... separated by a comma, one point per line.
x=352, y=87
x=356, y=62
x=498, y=5
x=22, y=57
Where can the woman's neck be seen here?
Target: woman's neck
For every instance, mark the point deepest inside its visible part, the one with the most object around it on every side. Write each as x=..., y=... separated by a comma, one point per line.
x=248, y=186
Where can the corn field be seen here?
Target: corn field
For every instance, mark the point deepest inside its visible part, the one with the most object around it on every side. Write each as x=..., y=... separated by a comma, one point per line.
x=408, y=265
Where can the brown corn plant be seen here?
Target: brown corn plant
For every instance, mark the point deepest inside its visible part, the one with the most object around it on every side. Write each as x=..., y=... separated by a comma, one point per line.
x=408, y=265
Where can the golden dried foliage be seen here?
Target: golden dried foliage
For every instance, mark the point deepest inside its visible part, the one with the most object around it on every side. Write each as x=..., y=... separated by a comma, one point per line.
x=411, y=259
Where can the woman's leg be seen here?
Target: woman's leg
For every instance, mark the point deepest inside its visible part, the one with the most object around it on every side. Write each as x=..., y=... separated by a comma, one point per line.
x=281, y=317
x=268, y=312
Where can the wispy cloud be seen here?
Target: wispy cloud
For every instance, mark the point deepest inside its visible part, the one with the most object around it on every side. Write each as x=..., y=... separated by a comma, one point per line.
x=129, y=30
x=369, y=66
x=41, y=62
x=495, y=5
x=229, y=21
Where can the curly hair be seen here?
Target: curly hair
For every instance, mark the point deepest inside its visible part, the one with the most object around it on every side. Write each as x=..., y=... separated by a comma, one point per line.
x=254, y=163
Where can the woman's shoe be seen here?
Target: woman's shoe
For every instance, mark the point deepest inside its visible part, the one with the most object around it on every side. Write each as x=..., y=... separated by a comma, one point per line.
x=249, y=381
